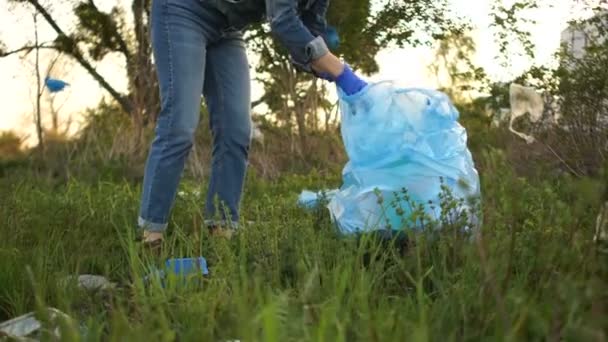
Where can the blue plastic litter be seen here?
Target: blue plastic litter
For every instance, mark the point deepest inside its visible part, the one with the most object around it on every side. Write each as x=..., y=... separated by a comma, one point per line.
x=181, y=267
x=55, y=85
x=185, y=266
x=398, y=138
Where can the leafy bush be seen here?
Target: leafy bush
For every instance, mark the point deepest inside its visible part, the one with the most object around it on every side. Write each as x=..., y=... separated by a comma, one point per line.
x=10, y=145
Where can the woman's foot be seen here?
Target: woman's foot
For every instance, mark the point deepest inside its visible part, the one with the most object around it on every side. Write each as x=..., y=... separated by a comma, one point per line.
x=152, y=240
x=152, y=236
x=221, y=229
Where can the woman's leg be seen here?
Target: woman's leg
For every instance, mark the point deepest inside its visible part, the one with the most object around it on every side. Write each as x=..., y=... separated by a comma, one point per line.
x=179, y=39
x=227, y=93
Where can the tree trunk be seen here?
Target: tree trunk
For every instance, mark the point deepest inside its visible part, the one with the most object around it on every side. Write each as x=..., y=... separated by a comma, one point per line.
x=39, y=89
x=142, y=76
x=55, y=118
x=300, y=112
x=143, y=83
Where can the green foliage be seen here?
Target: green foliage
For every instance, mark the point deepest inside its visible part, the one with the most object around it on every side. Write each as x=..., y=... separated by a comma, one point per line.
x=583, y=96
x=413, y=22
x=532, y=274
x=101, y=31
x=454, y=59
x=511, y=27
x=10, y=145
x=357, y=44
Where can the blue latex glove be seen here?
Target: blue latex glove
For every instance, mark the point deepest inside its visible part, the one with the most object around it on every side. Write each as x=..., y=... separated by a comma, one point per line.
x=331, y=38
x=349, y=82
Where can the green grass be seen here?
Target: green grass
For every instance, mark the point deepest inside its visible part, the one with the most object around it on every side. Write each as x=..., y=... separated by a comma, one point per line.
x=533, y=274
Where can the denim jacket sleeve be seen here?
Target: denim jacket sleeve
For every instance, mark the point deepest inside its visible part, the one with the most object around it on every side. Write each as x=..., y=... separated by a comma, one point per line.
x=314, y=17
x=289, y=26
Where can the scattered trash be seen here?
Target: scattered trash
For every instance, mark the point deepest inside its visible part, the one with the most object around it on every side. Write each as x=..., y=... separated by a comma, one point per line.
x=55, y=85
x=90, y=282
x=27, y=327
x=398, y=139
x=524, y=100
x=186, y=268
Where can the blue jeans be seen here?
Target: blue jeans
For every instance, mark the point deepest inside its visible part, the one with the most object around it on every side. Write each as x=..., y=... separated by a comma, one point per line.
x=195, y=52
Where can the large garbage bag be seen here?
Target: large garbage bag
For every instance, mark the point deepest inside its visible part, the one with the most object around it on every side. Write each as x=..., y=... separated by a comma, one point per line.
x=403, y=145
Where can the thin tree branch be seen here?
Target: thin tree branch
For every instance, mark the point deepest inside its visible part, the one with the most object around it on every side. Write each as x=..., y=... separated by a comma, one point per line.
x=39, y=90
x=28, y=49
x=258, y=102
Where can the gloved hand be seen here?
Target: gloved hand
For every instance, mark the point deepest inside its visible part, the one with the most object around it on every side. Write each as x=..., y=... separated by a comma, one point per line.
x=349, y=82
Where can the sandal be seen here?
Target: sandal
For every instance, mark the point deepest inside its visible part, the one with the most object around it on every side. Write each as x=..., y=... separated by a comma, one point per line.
x=222, y=229
x=153, y=246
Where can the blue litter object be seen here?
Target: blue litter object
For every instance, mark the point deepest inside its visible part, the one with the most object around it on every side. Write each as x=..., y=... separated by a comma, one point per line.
x=331, y=38
x=182, y=267
x=55, y=85
x=398, y=138
x=186, y=266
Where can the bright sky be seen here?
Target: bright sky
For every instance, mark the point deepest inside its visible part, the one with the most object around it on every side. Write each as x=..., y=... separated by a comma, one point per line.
x=409, y=66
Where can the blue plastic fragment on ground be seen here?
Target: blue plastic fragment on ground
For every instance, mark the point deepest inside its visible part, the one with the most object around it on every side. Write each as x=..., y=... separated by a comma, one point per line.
x=188, y=265
x=180, y=267
x=398, y=138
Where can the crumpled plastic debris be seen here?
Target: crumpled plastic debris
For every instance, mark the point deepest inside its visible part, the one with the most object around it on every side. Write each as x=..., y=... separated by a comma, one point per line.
x=27, y=327
x=398, y=138
x=90, y=282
